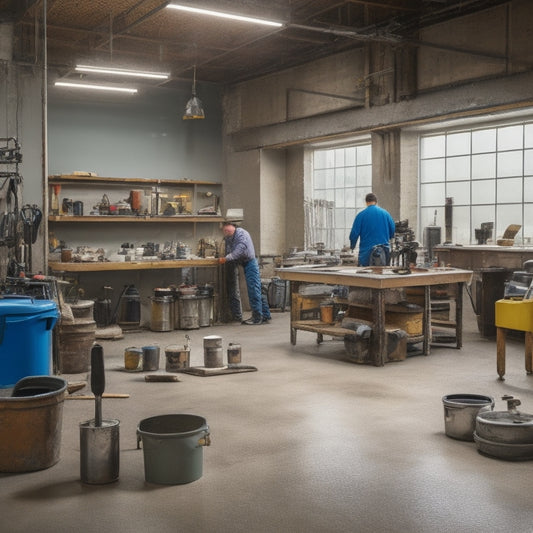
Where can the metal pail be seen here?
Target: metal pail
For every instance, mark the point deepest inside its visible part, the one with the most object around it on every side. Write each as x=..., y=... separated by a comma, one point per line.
x=173, y=447
x=460, y=411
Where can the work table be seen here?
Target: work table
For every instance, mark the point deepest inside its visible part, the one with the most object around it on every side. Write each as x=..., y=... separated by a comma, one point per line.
x=379, y=279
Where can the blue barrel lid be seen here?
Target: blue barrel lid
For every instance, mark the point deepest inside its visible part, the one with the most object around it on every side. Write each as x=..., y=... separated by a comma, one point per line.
x=12, y=304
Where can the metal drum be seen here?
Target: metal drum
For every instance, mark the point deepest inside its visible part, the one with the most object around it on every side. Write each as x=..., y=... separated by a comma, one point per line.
x=188, y=311
x=162, y=313
x=213, y=351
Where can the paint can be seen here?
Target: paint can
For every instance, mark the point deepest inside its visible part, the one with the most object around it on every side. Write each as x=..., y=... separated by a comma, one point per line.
x=133, y=358
x=177, y=358
x=213, y=351
x=326, y=312
x=234, y=354
x=150, y=355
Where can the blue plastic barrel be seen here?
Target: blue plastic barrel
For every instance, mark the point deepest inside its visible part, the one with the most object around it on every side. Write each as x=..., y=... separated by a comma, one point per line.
x=25, y=337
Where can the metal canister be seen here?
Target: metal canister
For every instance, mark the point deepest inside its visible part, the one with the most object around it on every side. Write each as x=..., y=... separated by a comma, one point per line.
x=77, y=208
x=162, y=313
x=133, y=358
x=234, y=354
x=213, y=351
x=177, y=358
x=150, y=357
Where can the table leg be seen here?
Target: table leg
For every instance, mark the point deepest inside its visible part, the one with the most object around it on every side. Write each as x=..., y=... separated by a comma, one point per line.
x=426, y=321
x=459, y=315
x=501, y=334
x=380, y=334
x=529, y=351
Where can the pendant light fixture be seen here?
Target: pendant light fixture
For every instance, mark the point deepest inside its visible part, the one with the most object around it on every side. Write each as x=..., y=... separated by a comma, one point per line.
x=194, y=109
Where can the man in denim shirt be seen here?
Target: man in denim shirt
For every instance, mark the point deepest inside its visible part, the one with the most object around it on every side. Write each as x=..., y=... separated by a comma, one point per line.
x=240, y=251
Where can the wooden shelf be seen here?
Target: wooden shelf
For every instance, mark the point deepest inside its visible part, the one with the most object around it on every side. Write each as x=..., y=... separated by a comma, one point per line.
x=106, y=266
x=135, y=218
x=84, y=180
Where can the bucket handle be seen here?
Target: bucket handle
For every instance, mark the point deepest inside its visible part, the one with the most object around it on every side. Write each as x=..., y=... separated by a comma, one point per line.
x=205, y=440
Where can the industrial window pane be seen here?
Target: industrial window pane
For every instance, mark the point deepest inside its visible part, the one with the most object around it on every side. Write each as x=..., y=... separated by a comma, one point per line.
x=458, y=168
x=339, y=178
x=330, y=158
x=460, y=224
x=427, y=216
x=459, y=191
x=505, y=216
x=341, y=239
x=364, y=176
x=528, y=136
x=509, y=164
x=339, y=157
x=360, y=194
x=349, y=177
x=482, y=214
x=511, y=137
x=339, y=198
x=330, y=178
x=349, y=156
x=364, y=154
x=432, y=170
x=432, y=146
x=483, y=166
x=319, y=159
x=350, y=197
x=330, y=195
x=484, y=192
x=483, y=141
x=350, y=216
x=319, y=179
x=432, y=194
x=527, y=225
x=319, y=194
x=528, y=163
x=339, y=218
x=458, y=143
x=509, y=190
x=528, y=189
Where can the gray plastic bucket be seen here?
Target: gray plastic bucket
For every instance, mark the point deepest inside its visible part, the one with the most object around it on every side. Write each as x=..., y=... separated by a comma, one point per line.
x=173, y=448
x=460, y=411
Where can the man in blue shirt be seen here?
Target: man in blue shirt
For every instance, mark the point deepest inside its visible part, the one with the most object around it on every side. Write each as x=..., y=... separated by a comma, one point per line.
x=372, y=227
x=240, y=250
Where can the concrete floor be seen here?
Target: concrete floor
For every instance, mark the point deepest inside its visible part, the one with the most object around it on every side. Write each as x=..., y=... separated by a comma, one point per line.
x=308, y=443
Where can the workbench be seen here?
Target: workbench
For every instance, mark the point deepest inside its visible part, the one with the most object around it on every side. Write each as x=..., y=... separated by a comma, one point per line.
x=378, y=279
x=493, y=266
x=107, y=266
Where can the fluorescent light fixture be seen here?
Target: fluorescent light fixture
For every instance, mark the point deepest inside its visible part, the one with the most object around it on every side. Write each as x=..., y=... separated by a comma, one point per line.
x=123, y=72
x=95, y=87
x=225, y=15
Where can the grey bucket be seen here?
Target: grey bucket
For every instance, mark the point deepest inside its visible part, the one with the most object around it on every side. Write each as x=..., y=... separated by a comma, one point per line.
x=173, y=448
x=460, y=411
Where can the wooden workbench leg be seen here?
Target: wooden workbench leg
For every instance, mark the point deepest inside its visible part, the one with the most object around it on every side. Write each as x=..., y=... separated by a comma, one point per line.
x=459, y=316
x=380, y=333
x=501, y=334
x=426, y=320
x=295, y=308
x=529, y=351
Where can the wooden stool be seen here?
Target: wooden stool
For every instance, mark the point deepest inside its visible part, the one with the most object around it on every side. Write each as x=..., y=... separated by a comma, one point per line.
x=517, y=315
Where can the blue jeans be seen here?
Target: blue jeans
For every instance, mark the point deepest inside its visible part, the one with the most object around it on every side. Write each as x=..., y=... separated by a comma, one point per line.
x=258, y=301
x=234, y=293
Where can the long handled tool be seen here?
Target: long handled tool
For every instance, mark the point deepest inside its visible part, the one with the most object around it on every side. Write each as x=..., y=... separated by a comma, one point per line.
x=99, y=439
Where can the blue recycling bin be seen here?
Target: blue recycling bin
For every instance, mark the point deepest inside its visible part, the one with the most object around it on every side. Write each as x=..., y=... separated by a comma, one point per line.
x=25, y=338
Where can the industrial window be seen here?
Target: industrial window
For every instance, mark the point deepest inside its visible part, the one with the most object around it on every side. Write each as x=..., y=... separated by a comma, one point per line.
x=341, y=179
x=486, y=174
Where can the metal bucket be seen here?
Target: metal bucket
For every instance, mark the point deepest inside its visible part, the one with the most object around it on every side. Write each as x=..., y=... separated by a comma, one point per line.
x=162, y=313
x=205, y=306
x=460, y=411
x=173, y=448
x=99, y=452
x=75, y=342
x=150, y=357
x=188, y=311
x=133, y=358
x=30, y=424
x=213, y=352
x=177, y=358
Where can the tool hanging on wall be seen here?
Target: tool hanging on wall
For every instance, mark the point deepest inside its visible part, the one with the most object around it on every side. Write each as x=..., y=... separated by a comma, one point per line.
x=31, y=217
